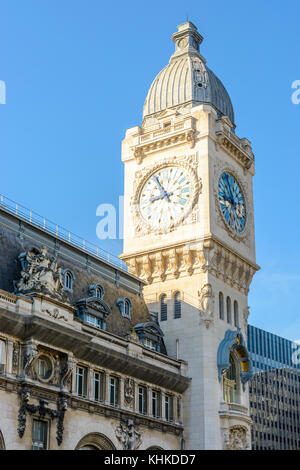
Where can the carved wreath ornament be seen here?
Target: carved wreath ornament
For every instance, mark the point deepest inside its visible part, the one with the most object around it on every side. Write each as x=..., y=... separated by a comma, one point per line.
x=141, y=178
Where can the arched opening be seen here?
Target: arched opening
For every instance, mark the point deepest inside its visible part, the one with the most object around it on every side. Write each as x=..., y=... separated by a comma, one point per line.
x=177, y=305
x=221, y=306
x=236, y=314
x=228, y=309
x=95, y=441
x=2, y=444
x=154, y=448
x=231, y=385
x=163, y=308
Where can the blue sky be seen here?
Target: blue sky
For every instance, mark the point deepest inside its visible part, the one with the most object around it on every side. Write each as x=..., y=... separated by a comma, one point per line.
x=77, y=73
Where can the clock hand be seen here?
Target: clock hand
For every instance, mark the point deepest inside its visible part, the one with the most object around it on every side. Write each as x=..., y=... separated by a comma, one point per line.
x=159, y=184
x=161, y=196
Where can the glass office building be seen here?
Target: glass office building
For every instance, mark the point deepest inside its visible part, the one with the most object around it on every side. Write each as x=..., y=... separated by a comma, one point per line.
x=274, y=391
x=269, y=351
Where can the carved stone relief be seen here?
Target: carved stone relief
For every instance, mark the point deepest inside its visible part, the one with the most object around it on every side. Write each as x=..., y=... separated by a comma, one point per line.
x=206, y=304
x=236, y=438
x=128, y=435
x=40, y=273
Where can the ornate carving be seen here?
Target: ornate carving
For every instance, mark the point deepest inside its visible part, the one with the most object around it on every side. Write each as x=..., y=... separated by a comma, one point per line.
x=42, y=409
x=30, y=353
x=40, y=273
x=129, y=391
x=15, y=358
x=236, y=438
x=129, y=436
x=206, y=304
x=55, y=313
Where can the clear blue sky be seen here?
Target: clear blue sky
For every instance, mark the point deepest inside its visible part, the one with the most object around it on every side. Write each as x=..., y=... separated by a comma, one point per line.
x=77, y=73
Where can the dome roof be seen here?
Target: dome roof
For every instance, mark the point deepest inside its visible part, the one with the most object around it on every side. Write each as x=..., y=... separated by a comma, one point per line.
x=187, y=80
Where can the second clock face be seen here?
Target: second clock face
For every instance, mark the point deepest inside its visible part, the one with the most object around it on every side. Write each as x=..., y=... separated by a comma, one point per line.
x=232, y=202
x=166, y=197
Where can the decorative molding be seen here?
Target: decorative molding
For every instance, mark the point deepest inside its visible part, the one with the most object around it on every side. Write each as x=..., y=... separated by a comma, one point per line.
x=207, y=256
x=129, y=391
x=55, y=313
x=239, y=149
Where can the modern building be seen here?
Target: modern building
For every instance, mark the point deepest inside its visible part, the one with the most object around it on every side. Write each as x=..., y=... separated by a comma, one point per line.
x=269, y=351
x=85, y=364
x=274, y=391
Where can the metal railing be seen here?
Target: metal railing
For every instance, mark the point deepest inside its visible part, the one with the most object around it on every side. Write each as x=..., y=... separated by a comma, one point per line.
x=59, y=232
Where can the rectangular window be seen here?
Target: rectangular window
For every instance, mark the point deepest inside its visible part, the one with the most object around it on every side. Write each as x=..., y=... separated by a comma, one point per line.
x=81, y=381
x=142, y=400
x=97, y=386
x=150, y=344
x=39, y=435
x=113, y=391
x=169, y=408
x=155, y=404
x=94, y=321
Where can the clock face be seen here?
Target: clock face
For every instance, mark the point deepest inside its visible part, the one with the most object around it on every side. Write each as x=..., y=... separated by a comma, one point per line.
x=166, y=197
x=232, y=202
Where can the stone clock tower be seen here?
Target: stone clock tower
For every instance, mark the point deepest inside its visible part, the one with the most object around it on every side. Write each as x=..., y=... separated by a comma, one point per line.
x=189, y=233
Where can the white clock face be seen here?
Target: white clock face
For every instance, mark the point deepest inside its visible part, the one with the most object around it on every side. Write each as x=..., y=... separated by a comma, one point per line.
x=166, y=197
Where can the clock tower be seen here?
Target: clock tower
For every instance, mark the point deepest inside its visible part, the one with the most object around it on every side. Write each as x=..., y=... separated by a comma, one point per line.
x=189, y=233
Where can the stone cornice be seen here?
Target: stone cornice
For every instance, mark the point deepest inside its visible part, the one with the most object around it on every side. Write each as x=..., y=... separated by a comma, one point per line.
x=87, y=347
x=178, y=133
x=238, y=148
x=198, y=256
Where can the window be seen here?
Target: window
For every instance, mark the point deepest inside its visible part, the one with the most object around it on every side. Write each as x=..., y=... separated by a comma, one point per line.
x=124, y=307
x=163, y=308
x=81, y=381
x=95, y=290
x=221, y=306
x=39, y=435
x=150, y=344
x=142, y=396
x=94, y=321
x=177, y=305
x=113, y=391
x=230, y=381
x=44, y=367
x=155, y=404
x=169, y=408
x=97, y=386
x=68, y=278
x=236, y=314
x=228, y=308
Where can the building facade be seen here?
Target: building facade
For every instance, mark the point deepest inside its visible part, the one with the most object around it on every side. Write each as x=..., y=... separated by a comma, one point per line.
x=82, y=362
x=189, y=234
x=274, y=391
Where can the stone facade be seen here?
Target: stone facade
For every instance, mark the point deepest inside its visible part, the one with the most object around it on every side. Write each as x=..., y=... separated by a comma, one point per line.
x=52, y=358
x=198, y=257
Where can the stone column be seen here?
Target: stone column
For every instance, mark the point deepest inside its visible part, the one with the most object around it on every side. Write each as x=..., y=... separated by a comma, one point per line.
x=162, y=410
x=121, y=402
x=89, y=385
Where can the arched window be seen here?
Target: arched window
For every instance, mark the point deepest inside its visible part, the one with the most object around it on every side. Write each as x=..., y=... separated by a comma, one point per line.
x=68, y=278
x=177, y=305
x=221, y=306
x=124, y=307
x=95, y=290
x=236, y=314
x=163, y=308
x=95, y=441
x=228, y=309
x=231, y=382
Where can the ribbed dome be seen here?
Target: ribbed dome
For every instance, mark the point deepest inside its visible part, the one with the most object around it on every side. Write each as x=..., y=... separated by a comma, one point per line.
x=187, y=80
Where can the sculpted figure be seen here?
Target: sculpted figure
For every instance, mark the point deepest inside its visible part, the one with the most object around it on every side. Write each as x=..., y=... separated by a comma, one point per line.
x=128, y=435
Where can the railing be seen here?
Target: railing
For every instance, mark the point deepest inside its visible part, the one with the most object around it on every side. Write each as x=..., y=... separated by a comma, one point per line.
x=59, y=232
